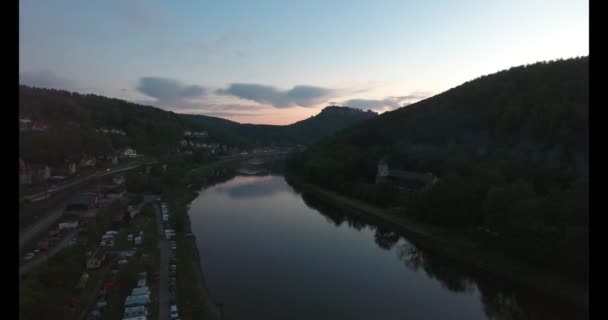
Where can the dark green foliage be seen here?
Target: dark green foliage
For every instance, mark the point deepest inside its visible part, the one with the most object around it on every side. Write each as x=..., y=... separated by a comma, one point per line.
x=511, y=151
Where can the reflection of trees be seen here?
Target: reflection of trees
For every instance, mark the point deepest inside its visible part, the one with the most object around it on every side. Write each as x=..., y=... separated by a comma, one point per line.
x=435, y=267
x=410, y=255
x=499, y=305
x=499, y=300
x=332, y=213
x=385, y=238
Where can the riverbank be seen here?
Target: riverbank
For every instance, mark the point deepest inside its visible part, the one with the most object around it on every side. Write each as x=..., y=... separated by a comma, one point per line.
x=194, y=298
x=461, y=248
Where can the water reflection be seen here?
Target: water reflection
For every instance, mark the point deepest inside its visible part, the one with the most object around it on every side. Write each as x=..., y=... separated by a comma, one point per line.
x=254, y=189
x=268, y=255
x=500, y=300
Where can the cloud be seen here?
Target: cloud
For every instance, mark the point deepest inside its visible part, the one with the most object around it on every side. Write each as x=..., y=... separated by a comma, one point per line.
x=303, y=96
x=169, y=92
x=388, y=103
x=45, y=79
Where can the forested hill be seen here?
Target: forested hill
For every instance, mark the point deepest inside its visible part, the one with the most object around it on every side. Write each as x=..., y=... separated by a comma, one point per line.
x=73, y=121
x=511, y=151
x=330, y=120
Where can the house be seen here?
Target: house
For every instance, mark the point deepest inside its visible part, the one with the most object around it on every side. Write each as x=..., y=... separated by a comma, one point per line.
x=96, y=259
x=71, y=167
x=40, y=126
x=404, y=179
x=25, y=175
x=25, y=124
x=39, y=173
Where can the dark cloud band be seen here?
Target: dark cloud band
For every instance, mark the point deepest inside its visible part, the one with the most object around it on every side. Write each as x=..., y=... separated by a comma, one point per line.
x=303, y=96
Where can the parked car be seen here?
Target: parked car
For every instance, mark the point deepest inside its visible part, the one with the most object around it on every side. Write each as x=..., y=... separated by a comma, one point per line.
x=29, y=256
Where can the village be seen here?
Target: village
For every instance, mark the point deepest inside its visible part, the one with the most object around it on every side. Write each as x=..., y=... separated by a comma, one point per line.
x=122, y=237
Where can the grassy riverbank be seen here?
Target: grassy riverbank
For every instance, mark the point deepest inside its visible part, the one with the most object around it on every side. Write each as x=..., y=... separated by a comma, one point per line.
x=460, y=247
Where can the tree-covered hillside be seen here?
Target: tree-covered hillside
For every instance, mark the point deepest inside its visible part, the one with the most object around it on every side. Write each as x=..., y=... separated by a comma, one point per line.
x=72, y=121
x=511, y=151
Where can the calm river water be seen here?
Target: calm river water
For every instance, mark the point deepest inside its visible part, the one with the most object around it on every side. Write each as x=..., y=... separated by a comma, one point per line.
x=269, y=253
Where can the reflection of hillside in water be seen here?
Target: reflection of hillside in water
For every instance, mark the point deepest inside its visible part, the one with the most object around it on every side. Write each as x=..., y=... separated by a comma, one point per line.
x=256, y=187
x=500, y=299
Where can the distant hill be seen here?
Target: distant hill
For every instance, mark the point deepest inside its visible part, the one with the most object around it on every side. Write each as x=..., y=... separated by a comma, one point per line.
x=72, y=120
x=511, y=151
x=330, y=120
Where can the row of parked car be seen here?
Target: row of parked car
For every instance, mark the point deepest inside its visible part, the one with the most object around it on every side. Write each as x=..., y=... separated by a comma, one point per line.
x=170, y=235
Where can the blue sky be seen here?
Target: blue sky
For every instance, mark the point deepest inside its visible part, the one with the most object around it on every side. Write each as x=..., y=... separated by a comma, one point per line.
x=281, y=61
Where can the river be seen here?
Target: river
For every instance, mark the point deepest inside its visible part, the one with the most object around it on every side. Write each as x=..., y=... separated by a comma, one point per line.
x=269, y=253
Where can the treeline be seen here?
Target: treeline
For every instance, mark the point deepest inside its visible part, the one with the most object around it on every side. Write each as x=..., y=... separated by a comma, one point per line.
x=510, y=150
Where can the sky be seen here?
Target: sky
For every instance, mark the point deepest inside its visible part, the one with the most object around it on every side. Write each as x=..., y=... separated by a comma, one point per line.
x=277, y=62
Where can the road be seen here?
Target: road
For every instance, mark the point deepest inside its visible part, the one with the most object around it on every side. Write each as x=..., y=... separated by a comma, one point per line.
x=163, y=288
x=43, y=257
x=81, y=180
x=53, y=215
x=26, y=235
